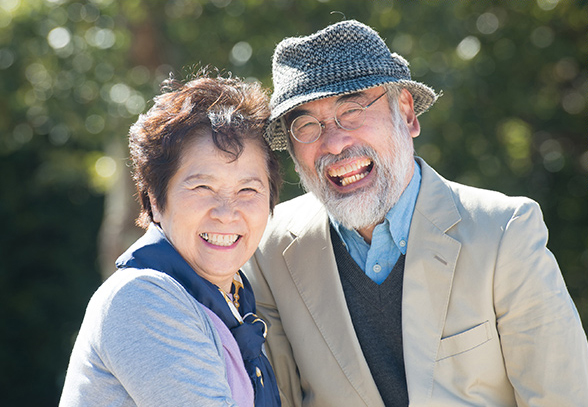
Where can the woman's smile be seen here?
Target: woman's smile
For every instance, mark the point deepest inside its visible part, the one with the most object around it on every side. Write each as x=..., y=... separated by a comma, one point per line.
x=217, y=239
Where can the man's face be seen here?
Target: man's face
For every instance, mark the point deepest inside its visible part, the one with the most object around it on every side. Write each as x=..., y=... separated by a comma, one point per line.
x=358, y=174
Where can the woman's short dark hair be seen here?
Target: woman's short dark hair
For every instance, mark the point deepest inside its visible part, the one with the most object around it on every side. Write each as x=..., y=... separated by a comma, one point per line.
x=231, y=109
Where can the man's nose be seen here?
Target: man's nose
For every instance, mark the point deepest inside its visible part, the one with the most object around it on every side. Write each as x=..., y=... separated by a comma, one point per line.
x=334, y=139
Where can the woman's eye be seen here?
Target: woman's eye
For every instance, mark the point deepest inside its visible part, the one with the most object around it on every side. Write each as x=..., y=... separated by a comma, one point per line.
x=248, y=190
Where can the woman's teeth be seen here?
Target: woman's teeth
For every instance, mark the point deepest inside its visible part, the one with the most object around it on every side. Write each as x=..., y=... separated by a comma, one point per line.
x=219, y=240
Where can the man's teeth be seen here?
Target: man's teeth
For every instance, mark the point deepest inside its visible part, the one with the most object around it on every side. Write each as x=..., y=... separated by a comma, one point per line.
x=219, y=240
x=352, y=179
x=355, y=166
x=346, y=169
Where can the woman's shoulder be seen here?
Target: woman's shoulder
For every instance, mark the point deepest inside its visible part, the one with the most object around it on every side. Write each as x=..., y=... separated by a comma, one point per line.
x=130, y=284
x=144, y=296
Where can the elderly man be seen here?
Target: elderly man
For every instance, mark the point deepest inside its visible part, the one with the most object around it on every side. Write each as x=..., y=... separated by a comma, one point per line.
x=387, y=285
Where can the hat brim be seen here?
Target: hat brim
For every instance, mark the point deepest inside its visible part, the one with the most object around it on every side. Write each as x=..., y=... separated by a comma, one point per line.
x=276, y=133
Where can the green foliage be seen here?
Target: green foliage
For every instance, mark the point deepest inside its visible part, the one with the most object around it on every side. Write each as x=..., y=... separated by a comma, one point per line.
x=75, y=75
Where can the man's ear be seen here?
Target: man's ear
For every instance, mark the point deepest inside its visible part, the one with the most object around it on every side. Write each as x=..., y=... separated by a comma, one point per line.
x=406, y=106
x=154, y=209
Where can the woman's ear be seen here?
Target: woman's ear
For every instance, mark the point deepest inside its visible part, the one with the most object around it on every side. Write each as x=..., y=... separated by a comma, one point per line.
x=406, y=106
x=154, y=209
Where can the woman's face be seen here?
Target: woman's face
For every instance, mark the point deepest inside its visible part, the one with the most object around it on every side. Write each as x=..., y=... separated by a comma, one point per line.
x=216, y=210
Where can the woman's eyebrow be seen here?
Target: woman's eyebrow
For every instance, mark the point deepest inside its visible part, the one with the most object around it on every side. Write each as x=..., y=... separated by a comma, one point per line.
x=210, y=178
x=248, y=180
x=198, y=177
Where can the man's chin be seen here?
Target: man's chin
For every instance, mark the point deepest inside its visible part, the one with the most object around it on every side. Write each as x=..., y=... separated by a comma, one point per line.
x=357, y=190
x=355, y=210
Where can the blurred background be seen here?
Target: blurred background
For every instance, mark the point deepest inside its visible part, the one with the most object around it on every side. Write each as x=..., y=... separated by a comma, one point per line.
x=75, y=75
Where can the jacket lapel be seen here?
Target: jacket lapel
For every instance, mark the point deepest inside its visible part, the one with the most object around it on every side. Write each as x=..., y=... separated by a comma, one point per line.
x=312, y=265
x=430, y=264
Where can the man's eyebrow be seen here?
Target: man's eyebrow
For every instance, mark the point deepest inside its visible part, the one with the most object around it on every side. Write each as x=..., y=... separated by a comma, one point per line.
x=290, y=116
x=353, y=95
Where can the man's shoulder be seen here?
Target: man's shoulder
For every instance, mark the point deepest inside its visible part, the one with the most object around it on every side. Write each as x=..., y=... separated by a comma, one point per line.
x=484, y=208
x=465, y=196
x=475, y=198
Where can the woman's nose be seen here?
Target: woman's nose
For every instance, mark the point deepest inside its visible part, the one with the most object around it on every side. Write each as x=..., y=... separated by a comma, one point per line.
x=224, y=210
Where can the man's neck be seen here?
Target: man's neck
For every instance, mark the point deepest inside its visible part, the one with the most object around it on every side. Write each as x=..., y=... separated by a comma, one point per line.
x=367, y=232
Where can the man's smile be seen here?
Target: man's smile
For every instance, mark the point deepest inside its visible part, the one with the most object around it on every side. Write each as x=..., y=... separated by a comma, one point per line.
x=350, y=172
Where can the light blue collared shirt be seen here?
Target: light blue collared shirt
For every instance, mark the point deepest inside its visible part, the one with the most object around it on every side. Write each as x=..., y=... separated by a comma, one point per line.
x=389, y=239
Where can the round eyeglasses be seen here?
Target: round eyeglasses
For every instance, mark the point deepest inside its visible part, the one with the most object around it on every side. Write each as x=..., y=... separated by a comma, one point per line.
x=349, y=115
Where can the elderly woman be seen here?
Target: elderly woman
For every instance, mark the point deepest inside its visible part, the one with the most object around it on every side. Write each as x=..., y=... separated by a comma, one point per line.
x=175, y=325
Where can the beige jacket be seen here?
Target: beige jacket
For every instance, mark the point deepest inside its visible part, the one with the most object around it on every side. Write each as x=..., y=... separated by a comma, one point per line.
x=487, y=318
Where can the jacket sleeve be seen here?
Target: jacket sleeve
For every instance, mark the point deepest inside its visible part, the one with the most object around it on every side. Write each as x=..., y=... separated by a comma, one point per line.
x=277, y=346
x=543, y=342
x=144, y=339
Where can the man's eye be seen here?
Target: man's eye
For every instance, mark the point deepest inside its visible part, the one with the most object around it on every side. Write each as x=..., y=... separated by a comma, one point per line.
x=305, y=125
x=350, y=112
x=301, y=123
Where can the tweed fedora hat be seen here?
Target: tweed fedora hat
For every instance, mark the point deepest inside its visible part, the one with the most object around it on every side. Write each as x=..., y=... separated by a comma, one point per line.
x=342, y=58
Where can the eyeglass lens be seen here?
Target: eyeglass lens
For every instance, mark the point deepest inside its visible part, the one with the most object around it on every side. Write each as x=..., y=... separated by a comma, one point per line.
x=348, y=115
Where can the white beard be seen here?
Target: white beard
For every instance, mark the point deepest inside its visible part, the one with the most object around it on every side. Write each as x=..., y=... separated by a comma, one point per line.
x=369, y=205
